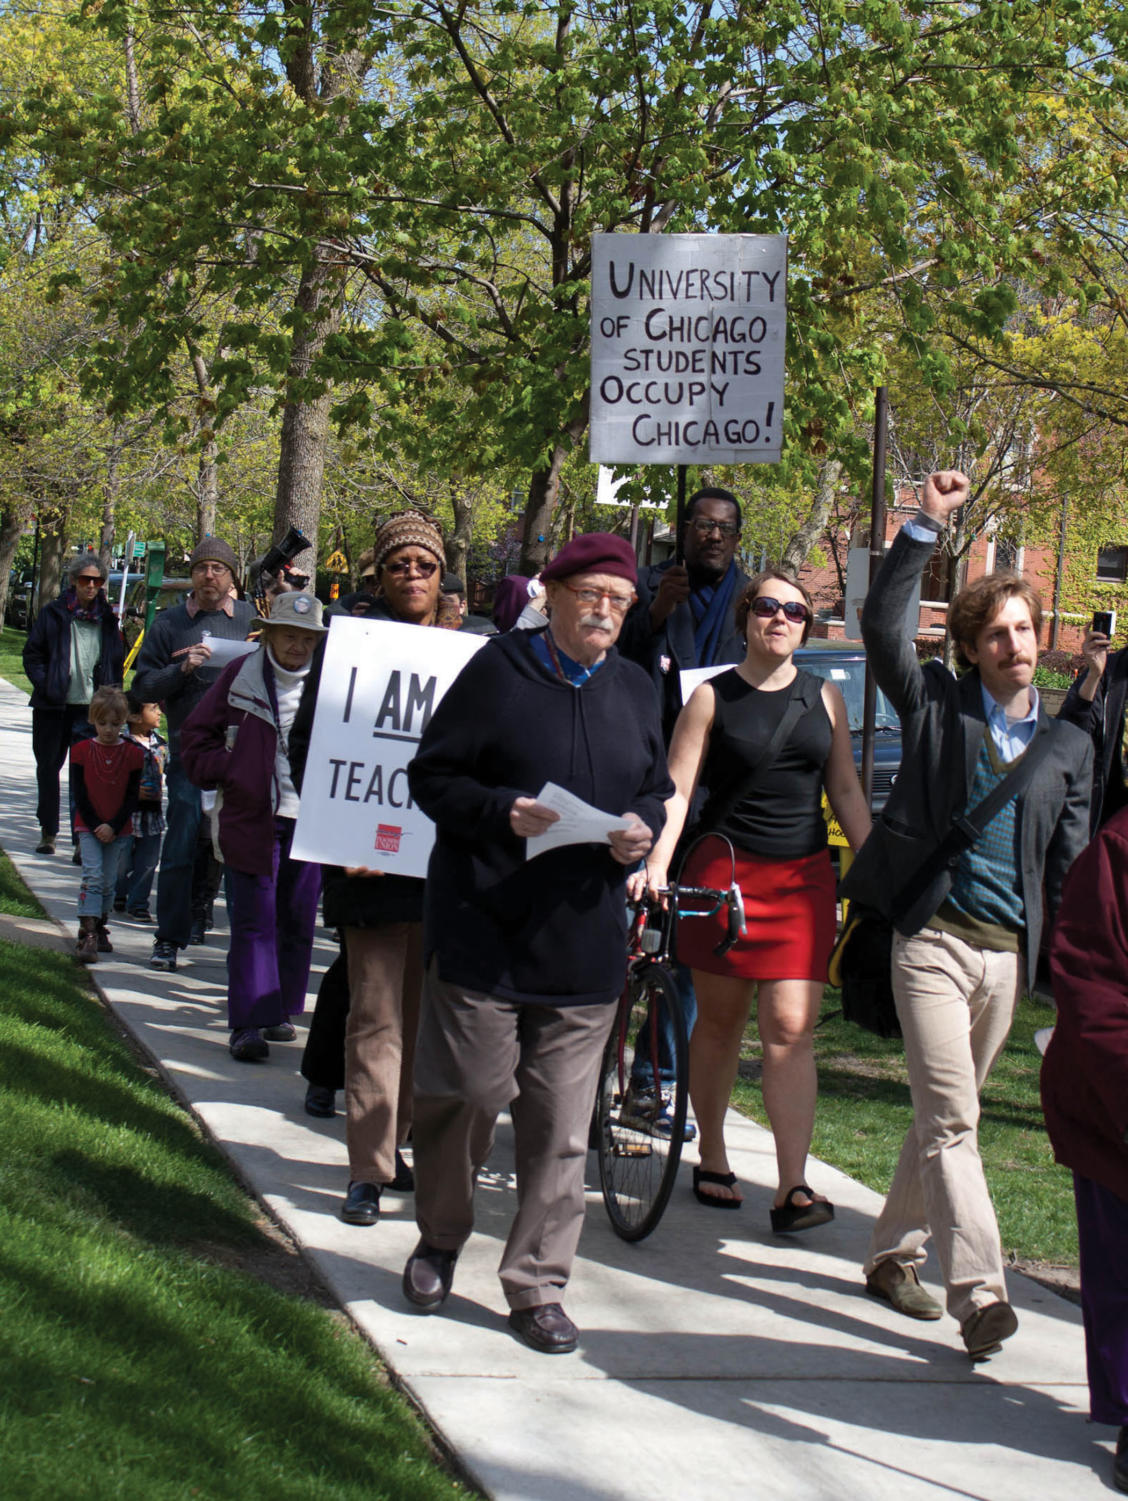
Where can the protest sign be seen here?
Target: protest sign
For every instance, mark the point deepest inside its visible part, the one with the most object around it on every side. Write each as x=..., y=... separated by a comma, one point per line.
x=380, y=683
x=687, y=346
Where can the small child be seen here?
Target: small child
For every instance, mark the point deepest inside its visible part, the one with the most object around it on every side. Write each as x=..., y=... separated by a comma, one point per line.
x=106, y=780
x=139, y=862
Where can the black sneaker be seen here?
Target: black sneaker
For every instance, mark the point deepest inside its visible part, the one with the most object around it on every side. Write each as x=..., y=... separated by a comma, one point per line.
x=199, y=931
x=163, y=955
x=119, y=904
x=139, y=914
x=283, y=1032
x=247, y=1046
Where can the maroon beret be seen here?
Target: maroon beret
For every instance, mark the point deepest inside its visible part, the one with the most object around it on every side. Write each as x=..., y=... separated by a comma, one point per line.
x=594, y=552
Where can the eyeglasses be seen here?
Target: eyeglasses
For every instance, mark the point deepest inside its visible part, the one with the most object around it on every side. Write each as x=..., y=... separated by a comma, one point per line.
x=703, y=526
x=619, y=603
x=404, y=565
x=764, y=607
x=211, y=568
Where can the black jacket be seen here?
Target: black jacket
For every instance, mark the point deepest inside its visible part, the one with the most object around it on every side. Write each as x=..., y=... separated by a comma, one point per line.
x=553, y=929
x=669, y=650
x=1103, y=721
x=47, y=653
x=942, y=730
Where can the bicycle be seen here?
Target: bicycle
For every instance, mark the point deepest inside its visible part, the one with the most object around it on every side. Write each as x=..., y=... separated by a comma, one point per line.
x=643, y=1095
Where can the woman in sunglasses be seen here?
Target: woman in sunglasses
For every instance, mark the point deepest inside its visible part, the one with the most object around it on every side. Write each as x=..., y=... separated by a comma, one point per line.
x=765, y=738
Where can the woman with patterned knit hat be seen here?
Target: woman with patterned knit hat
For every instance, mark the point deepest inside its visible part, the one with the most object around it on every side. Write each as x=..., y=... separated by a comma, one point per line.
x=379, y=916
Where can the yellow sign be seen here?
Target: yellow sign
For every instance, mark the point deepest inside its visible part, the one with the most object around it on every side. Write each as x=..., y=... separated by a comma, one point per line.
x=336, y=562
x=834, y=834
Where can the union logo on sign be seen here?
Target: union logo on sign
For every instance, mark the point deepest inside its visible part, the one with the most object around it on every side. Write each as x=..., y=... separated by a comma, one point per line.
x=388, y=836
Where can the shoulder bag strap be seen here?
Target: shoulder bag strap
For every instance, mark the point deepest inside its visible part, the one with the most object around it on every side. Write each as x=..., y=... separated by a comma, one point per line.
x=804, y=698
x=966, y=829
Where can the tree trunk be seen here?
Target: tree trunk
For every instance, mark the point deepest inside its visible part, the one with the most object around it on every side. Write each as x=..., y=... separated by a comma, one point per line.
x=207, y=470
x=305, y=421
x=458, y=543
x=798, y=549
x=12, y=523
x=109, y=503
x=544, y=488
x=53, y=523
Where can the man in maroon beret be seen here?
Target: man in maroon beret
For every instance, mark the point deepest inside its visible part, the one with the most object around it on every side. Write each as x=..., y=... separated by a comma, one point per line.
x=525, y=958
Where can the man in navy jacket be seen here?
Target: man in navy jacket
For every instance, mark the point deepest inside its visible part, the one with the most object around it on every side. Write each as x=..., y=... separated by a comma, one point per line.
x=525, y=957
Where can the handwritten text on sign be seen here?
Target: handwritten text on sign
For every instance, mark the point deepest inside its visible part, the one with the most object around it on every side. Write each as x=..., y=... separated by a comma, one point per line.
x=380, y=684
x=687, y=346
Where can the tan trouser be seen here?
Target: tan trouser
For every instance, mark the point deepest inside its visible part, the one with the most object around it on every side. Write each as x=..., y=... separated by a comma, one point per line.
x=956, y=1003
x=476, y=1055
x=385, y=977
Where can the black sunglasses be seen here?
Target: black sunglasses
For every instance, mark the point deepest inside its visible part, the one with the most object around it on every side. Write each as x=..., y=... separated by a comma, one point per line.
x=764, y=607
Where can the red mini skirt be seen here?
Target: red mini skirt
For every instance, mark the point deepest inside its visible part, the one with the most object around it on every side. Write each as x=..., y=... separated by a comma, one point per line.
x=790, y=910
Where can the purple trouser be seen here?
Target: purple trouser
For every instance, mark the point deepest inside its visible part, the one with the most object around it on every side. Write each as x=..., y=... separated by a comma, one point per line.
x=1102, y=1232
x=272, y=922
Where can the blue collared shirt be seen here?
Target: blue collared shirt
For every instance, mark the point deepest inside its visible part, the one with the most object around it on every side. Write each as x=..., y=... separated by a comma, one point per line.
x=1011, y=736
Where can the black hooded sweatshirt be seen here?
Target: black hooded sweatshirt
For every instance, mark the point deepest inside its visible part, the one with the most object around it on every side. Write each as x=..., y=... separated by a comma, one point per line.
x=551, y=930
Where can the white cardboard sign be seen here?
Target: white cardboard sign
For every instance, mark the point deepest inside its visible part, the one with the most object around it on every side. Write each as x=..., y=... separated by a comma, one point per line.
x=380, y=683
x=687, y=348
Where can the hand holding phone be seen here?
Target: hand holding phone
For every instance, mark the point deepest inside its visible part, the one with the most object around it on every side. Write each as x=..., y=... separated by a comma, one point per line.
x=1105, y=622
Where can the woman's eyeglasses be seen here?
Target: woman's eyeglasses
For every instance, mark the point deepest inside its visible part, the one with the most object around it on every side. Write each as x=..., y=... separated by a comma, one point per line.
x=764, y=607
x=403, y=566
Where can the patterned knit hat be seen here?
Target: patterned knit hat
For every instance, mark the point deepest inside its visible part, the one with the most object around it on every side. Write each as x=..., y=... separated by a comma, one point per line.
x=214, y=550
x=408, y=529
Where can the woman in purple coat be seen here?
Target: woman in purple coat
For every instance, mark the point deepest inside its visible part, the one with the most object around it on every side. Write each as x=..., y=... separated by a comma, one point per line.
x=1085, y=1099
x=236, y=741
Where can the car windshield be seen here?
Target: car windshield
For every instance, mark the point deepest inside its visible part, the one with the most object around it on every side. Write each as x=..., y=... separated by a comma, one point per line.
x=849, y=676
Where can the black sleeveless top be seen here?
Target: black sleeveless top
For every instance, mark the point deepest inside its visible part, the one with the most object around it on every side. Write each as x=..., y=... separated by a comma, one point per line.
x=782, y=816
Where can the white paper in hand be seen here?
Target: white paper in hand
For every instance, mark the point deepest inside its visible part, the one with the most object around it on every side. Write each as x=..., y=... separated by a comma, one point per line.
x=224, y=651
x=579, y=822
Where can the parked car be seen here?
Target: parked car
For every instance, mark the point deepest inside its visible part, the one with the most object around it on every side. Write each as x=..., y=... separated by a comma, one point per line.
x=844, y=663
x=17, y=611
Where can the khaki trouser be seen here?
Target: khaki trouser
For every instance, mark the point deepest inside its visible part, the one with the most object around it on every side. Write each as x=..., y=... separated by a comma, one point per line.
x=478, y=1054
x=385, y=975
x=955, y=1003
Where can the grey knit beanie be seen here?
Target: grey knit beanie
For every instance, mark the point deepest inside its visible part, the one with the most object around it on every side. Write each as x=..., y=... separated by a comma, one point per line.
x=214, y=550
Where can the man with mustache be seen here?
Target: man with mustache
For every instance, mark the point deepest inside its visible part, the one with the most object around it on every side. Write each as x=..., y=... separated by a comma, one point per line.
x=969, y=938
x=525, y=958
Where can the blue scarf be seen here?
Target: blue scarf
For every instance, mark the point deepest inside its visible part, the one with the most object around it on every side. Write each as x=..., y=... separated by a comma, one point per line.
x=710, y=606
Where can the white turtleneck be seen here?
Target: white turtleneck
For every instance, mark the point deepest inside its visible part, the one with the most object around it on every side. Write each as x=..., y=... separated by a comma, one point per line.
x=288, y=691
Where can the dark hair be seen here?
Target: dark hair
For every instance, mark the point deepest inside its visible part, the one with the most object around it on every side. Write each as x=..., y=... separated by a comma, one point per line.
x=744, y=604
x=452, y=584
x=713, y=492
x=136, y=703
x=975, y=606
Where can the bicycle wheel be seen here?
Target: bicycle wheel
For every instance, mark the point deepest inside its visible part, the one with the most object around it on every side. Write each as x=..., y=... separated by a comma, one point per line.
x=642, y=1102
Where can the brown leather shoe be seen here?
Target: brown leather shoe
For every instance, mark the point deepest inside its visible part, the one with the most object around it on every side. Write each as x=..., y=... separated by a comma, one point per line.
x=87, y=950
x=897, y=1283
x=546, y=1328
x=984, y=1331
x=428, y=1275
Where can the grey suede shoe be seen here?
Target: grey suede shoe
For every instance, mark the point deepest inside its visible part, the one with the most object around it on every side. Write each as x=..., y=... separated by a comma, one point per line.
x=897, y=1283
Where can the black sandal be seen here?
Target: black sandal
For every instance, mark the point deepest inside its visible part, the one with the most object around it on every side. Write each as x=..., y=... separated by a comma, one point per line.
x=714, y=1201
x=791, y=1216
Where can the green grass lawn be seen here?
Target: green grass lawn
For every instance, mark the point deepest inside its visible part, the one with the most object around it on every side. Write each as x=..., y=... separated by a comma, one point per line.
x=142, y=1355
x=11, y=657
x=864, y=1111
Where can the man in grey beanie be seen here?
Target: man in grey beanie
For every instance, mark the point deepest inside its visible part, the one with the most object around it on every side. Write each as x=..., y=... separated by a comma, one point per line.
x=172, y=669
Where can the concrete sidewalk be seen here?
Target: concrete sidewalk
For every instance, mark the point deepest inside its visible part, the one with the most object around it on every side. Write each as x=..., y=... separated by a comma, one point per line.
x=716, y=1361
